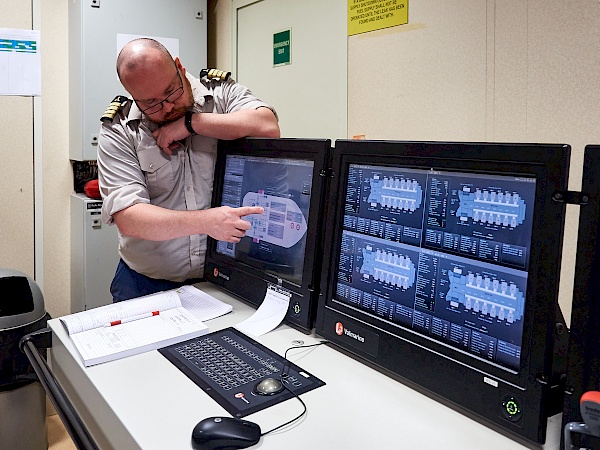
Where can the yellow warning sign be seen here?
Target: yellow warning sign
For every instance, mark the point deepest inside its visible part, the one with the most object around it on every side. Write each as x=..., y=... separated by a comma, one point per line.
x=370, y=15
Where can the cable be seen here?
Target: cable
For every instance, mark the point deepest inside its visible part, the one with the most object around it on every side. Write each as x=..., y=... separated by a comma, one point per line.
x=289, y=421
x=302, y=346
x=292, y=392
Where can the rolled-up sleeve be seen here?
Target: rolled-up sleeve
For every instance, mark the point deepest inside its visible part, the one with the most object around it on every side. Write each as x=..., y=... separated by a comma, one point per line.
x=231, y=96
x=121, y=180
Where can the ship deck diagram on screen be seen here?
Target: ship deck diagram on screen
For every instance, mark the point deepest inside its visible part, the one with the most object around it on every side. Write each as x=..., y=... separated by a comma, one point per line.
x=276, y=239
x=397, y=193
x=391, y=268
x=488, y=296
x=500, y=208
x=282, y=222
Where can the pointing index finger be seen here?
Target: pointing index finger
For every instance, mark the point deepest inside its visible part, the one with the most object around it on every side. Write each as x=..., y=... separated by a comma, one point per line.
x=247, y=210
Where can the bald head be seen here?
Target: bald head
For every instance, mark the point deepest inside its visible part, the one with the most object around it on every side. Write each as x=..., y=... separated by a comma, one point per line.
x=142, y=58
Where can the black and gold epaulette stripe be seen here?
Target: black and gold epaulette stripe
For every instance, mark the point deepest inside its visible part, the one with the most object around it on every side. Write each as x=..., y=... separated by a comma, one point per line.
x=112, y=110
x=215, y=74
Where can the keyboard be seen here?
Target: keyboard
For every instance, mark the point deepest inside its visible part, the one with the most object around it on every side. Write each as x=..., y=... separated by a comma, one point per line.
x=224, y=367
x=228, y=365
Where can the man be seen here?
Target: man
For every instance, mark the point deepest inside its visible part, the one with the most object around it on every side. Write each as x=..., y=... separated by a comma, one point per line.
x=156, y=163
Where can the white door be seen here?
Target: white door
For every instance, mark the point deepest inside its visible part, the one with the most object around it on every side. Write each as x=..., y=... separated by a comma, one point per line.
x=310, y=93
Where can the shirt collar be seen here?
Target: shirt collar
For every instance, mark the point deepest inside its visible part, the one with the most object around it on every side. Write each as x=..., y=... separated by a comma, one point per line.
x=199, y=91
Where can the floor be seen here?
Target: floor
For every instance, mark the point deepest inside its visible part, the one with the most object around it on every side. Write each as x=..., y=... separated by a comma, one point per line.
x=58, y=438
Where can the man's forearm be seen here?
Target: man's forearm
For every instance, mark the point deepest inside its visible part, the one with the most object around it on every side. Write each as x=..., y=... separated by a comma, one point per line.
x=154, y=223
x=259, y=122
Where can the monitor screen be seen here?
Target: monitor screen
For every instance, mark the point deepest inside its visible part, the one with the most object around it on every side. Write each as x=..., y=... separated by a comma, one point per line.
x=444, y=253
x=442, y=267
x=276, y=240
x=281, y=247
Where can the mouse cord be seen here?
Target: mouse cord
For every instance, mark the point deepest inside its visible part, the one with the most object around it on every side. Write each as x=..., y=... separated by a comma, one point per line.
x=289, y=421
x=293, y=393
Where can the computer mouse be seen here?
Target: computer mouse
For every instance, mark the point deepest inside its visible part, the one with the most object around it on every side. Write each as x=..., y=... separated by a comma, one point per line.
x=224, y=433
x=269, y=386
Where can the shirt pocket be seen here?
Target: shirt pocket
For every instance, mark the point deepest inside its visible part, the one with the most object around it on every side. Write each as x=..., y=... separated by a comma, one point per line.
x=204, y=156
x=157, y=167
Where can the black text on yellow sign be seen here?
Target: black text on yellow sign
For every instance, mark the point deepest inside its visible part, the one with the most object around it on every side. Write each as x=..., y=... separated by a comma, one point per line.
x=370, y=15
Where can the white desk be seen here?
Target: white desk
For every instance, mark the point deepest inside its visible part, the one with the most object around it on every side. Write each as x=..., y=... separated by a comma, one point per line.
x=144, y=402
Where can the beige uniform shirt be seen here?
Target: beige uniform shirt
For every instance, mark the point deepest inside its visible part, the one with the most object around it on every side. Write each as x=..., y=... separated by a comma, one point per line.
x=133, y=169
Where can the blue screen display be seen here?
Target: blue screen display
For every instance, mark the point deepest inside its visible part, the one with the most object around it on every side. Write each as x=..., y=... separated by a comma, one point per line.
x=444, y=254
x=276, y=240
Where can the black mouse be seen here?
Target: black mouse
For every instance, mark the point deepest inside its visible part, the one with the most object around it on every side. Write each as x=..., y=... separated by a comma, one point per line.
x=269, y=386
x=224, y=433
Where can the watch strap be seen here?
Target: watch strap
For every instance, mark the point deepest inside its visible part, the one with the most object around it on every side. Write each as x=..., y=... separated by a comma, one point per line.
x=188, y=122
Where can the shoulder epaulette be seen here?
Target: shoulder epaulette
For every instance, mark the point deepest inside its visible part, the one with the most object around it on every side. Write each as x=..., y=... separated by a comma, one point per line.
x=112, y=110
x=215, y=74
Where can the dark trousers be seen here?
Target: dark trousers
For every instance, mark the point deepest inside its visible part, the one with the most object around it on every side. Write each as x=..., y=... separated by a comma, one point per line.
x=128, y=284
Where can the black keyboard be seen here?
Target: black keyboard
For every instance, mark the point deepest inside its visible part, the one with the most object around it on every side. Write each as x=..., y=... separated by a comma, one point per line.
x=222, y=366
x=228, y=365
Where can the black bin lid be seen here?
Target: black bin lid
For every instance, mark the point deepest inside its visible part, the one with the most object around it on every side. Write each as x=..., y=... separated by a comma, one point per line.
x=21, y=300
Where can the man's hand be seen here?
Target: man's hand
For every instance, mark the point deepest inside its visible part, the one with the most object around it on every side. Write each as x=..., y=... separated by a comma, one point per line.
x=168, y=135
x=226, y=224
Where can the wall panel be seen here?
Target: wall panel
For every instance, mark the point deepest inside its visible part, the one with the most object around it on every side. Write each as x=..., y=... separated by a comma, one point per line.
x=16, y=167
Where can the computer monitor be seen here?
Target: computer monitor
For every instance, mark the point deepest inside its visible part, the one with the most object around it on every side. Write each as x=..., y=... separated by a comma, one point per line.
x=443, y=266
x=583, y=370
x=287, y=177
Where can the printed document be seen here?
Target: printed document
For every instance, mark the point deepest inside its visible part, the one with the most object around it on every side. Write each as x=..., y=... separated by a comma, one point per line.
x=134, y=326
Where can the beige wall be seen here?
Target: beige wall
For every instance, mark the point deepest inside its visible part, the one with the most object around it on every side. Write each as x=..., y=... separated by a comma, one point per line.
x=57, y=172
x=219, y=34
x=17, y=182
x=16, y=168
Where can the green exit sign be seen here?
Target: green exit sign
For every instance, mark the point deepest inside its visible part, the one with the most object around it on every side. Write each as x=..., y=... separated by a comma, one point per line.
x=282, y=48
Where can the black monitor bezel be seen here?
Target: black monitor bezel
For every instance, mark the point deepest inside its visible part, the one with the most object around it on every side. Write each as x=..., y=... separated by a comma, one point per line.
x=583, y=368
x=548, y=163
x=250, y=283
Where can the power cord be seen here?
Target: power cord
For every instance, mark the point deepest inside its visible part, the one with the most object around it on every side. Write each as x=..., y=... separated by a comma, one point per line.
x=292, y=392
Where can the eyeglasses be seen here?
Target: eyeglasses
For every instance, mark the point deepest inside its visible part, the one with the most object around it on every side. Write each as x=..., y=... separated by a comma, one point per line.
x=171, y=98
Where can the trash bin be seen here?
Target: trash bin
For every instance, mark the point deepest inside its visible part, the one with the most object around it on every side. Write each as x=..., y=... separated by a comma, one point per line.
x=22, y=397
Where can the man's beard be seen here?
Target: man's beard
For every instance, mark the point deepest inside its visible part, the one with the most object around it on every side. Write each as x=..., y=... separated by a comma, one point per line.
x=176, y=113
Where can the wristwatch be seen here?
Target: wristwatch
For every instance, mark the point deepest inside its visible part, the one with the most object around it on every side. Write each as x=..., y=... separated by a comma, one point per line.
x=188, y=122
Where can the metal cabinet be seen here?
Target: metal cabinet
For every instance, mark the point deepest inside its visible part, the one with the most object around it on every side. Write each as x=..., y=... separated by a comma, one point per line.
x=94, y=254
